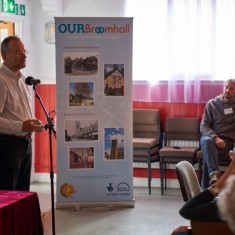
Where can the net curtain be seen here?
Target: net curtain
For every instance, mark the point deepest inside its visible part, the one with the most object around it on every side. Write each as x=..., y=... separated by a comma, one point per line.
x=183, y=50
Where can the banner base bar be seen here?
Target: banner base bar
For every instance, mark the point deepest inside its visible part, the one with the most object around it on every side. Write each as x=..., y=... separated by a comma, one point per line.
x=81, y=205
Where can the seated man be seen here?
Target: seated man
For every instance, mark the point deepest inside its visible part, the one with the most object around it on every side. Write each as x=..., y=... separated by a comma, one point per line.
x=218, y=132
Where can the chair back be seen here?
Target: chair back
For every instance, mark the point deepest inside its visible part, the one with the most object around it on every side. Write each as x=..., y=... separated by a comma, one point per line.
x=146, y=123
x=182, y=131
x=188, y=180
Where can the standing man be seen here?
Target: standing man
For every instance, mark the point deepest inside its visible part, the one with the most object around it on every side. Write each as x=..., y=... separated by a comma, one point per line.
x=17, y=121
x=218, y=132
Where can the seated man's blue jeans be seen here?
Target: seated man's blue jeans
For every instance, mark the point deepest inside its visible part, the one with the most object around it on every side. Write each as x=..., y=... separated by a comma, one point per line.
x=211, y=154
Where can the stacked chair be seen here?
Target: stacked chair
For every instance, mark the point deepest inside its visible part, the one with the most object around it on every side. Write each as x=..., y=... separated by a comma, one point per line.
x=146, y=138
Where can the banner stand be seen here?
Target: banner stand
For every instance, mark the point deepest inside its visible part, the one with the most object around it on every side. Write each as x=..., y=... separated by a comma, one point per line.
x=94, y=112
x=109, y=205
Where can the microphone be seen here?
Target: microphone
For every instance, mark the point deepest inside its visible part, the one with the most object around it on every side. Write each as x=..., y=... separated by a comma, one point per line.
x=32, y=81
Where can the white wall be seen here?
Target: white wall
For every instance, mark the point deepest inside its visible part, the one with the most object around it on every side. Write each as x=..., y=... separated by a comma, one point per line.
x=43, y=54
x=94, y=8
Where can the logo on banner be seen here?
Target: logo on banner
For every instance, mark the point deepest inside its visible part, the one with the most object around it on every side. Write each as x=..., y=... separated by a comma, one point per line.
x=122, y=189
x=87, y=28
x=110, y=187
x=67, y=190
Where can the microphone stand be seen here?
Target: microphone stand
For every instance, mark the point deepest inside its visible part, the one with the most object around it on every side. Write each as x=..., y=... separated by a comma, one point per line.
x=50, y=127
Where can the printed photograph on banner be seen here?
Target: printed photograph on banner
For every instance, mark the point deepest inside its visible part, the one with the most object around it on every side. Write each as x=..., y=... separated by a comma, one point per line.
x=81, y=157
x=114, y=144
x=81, y=94
x=81, y=130
x=80, y=63
x=114, y=79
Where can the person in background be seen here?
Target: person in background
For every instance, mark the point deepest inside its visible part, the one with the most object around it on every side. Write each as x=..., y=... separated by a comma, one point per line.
x=216, y=203
x=218, y=132
x=17, y=121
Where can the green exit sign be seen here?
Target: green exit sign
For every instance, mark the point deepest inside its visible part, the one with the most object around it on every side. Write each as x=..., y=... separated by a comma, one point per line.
x=8, y=6
x=20, y=9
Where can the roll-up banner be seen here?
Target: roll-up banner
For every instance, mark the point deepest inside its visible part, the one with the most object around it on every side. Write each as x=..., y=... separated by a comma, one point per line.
x=94, y=112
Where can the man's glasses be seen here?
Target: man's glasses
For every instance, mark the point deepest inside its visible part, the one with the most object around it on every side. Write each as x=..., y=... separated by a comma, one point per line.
x=20, y=53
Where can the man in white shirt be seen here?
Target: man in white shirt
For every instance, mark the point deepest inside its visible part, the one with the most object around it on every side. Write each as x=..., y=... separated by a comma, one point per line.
x=17, y=121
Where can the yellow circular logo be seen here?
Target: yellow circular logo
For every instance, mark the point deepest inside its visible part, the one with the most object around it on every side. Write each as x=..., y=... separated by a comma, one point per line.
x=67, y=190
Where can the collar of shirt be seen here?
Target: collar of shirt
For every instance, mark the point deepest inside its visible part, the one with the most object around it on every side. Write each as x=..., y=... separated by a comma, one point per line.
x=12, y=74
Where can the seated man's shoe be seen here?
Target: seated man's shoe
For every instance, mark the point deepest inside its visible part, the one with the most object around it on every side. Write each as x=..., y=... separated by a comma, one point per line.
x=214, y=176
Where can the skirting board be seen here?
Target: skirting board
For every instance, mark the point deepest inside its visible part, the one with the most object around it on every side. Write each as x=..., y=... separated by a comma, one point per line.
x=82, y=205
x=155, y=183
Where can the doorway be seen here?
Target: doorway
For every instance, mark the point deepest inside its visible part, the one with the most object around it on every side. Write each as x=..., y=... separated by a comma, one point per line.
x=7, y=28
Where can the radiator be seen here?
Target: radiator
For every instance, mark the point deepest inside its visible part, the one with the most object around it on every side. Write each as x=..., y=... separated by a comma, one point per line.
x=183, y=143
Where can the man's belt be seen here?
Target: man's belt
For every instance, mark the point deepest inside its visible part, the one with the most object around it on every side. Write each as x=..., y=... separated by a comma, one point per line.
x=22, y=137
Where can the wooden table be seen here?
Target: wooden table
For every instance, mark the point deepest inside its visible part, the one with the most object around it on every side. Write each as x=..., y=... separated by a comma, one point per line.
x=20, y=213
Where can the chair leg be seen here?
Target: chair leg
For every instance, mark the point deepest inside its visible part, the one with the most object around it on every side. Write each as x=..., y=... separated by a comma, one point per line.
x=165, y=174
x=161, y=174
x=149, y=174
x=200, y=170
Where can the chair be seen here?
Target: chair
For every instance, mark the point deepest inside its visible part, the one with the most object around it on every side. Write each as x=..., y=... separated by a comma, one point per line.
x=146, y=138
x=223, y=161
x=188, y=180
x=181, y=142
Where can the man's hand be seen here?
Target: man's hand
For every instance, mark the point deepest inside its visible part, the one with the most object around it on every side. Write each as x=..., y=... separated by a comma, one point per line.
x=219, y=142
x=33, y=125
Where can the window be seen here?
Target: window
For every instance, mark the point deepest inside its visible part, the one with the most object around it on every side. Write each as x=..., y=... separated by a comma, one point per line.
x=183, y=42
